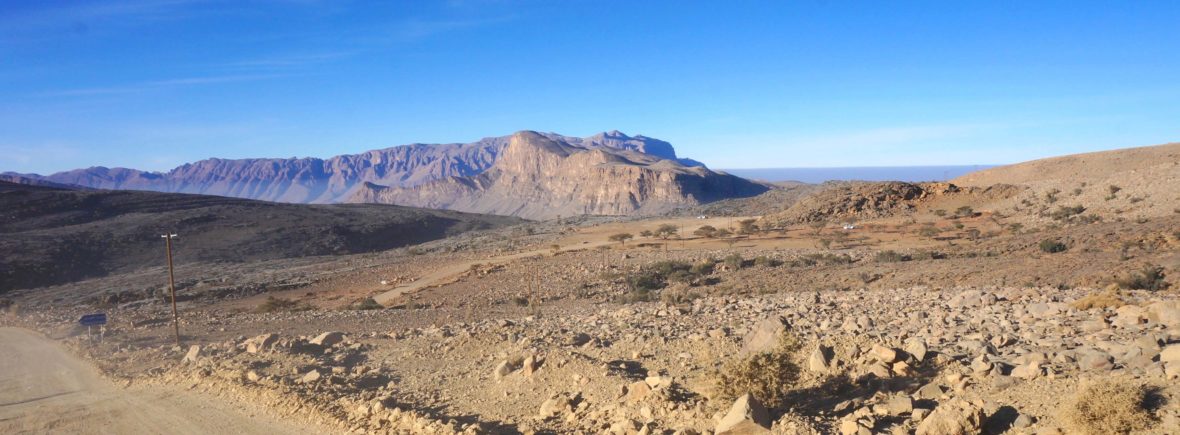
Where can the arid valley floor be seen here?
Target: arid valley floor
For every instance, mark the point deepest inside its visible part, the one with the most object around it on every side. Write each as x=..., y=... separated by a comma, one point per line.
x=1034, y=299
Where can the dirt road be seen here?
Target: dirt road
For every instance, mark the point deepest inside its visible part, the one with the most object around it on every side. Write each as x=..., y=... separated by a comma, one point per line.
x=44, y=389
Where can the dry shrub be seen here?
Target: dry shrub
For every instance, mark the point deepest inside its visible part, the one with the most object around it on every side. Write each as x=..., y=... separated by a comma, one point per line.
x=365, y=304
x=1108, y=407
x=1109, y=298
x=769, y=376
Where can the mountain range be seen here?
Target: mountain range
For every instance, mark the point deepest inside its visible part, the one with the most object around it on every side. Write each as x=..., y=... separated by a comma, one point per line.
x=527, y=174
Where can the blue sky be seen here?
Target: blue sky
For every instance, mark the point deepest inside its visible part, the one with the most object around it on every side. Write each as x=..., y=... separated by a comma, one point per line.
x=151, y=84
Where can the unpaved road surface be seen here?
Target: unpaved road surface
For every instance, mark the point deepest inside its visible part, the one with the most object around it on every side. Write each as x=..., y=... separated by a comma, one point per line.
x=44, y=389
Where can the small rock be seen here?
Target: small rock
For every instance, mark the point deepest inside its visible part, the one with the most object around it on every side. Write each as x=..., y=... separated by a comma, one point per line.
x=820, y=360
x=900, y=405
x=261, y=342
x=765, y=336
x=884, y=354
x=194, y=352
x=1027, y=371
x=328, y=339
x=637, y=391
x=1022, y=421
x=917, y=349
x=502, y=369
x=310, y=377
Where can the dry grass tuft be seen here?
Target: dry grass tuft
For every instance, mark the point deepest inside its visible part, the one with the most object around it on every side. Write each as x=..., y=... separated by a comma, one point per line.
x=769, y=376
x=1109, y=298
x=1108, y=407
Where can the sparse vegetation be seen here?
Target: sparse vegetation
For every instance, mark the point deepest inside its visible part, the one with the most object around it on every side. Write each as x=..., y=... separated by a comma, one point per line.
x=927, y=255
x=1053, y=246
x=1149, y=277
x=706, y=231
x=768, y=376
x=929, y=232
x=890, y=257
x=365, y=304
x=275, y=305
x=666, y=231
x=1065, y=213
x=622, y=238
x=1109, y=298
x=747, y=226
x=734, y=261
x=825, y=259
x=1051, y=195
x=1108, y=407
x=764, y=261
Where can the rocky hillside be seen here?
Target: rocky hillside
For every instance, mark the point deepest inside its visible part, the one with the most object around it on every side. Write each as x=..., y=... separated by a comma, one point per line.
x=871, y=200
x=50, y=235
x=1133, y=183
x=541, y=176
x=313, y=180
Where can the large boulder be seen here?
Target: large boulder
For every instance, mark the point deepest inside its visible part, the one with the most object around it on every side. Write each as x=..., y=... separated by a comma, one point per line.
x=955, y=417
x=746, y=416
x=1166, y=313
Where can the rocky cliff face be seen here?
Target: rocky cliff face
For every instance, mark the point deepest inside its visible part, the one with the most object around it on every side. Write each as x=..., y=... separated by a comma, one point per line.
x=305, y=180
x=543, y=176
x=527, y=174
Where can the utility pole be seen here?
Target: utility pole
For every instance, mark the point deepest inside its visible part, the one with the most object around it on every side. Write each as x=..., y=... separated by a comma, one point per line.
x=172, y=285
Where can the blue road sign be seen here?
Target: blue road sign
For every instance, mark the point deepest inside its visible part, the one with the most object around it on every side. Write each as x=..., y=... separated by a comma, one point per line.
x=93, y=319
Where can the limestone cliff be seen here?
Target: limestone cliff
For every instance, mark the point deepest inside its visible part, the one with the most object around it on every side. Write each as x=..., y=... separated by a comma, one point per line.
x=543, y=176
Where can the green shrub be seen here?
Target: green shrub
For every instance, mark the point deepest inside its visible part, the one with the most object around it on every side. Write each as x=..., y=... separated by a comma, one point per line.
x=646, y=281
x=1064, y=213
x=733, y=261
x=1052, y=246
x=890, y=257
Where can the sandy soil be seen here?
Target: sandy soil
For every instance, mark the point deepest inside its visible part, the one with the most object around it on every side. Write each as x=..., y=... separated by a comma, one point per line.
x=44, y=389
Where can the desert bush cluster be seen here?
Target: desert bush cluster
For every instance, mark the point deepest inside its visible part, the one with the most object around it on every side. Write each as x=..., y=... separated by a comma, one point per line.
x=1108, y=407
x=768, y=376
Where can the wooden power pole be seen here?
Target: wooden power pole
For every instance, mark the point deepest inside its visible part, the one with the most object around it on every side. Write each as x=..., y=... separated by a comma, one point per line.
x=172, y=286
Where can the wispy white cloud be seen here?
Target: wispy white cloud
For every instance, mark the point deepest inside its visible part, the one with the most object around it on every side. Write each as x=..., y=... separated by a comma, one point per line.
x=418, y=28
x=161, y=84
x=27, y=157
x=290, y=60
x=39, y=22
